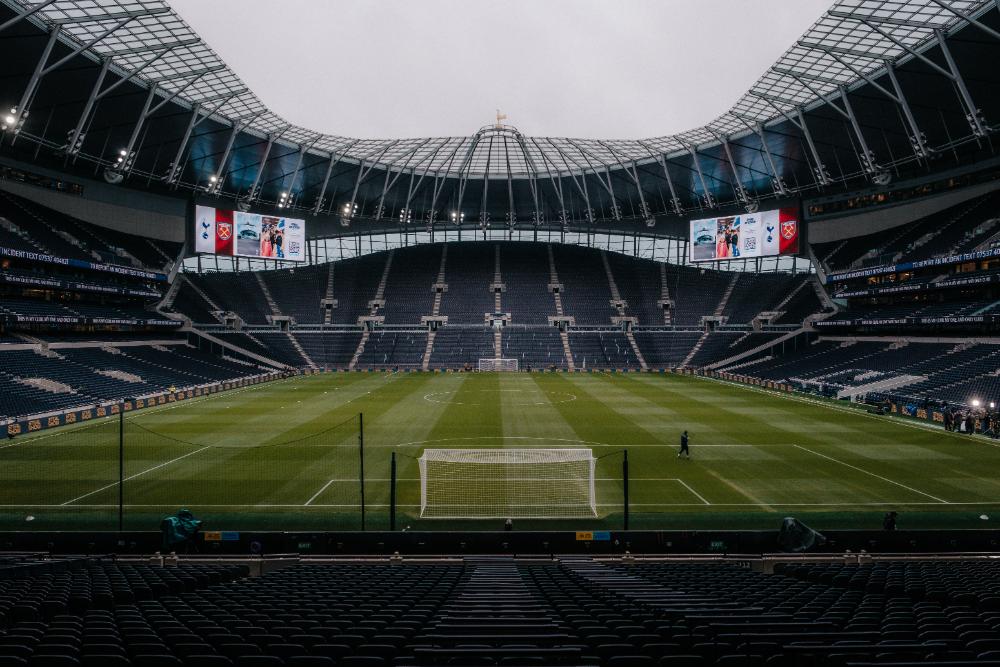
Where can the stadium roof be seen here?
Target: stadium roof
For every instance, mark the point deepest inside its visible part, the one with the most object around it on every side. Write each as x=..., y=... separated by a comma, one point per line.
x=843, y=74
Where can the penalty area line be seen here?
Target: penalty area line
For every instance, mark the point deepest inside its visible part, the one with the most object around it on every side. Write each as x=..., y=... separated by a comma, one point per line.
x=320, y=492
x=693, y=492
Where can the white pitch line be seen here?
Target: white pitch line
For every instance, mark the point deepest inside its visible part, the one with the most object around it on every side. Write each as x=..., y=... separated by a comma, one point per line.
x=884, y=479
x=894, y=419
x=695, y=493
x=318, y=493
x=916, y=503
x=138, y=474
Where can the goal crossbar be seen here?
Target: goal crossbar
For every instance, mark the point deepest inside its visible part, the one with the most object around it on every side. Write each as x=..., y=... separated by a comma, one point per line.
x=501, y=483
x=493, y=364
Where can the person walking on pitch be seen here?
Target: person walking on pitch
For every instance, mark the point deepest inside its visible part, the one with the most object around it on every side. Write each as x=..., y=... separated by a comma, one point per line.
x=684, y=446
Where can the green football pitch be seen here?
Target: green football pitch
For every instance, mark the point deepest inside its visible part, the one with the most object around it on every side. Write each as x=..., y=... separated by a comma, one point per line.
x=285, y=456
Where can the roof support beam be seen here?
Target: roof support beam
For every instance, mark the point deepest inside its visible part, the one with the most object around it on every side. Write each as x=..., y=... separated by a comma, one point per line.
x=439, y=180
x=111, y=16
x=973, y=114
x=197, y=118
x=253, y=192
x=303, y=148
x=83, y=47
x=706, y=194
x=221, y=171
x=413, y=188
x=675, y=202
x=822, y=176
x=175, y=166
x=25, y=13
x=75, y=141
x=866, y=157
x=388, y=184
x=21, y=110
x=149, y=47
x=607, y=185
x=198, y=73
x=777, y=182
x=886, y=20
x=128, y=159
x=917, y=138
x=363, y=172
x=968, y=19
x=334, y=159
x=579, y=180
x=633, y=175
x=738, y=189
x=555, y=180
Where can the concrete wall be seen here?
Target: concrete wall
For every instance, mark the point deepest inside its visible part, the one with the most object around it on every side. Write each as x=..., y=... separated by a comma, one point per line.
x=111, y=206
x=860, y=224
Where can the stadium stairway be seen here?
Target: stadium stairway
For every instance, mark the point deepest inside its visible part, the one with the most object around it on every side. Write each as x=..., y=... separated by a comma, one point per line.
x=554, y=287
x=621, y=306
x=302, y=352
x=439, y=287
x=268, y=299
x=373, y=306
x=328, y=312
x=720, y=308
x=665, y=295
x=359, y=350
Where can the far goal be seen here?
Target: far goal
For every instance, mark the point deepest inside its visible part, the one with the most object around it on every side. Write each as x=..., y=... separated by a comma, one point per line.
x=492, y=364
x=507, y=483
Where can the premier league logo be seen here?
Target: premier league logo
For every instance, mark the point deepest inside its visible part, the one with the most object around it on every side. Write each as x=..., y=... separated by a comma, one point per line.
x=788, y=230
x=224, y=230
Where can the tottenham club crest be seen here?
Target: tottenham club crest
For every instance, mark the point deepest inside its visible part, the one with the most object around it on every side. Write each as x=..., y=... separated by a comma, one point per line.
x=224, y=230
x=788, y=230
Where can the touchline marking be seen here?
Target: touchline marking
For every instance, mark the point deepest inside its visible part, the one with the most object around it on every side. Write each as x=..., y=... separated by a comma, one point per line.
x=884, y=479
x=894, y=419
x=696, y=494
x=143, y=412
x=138, y=474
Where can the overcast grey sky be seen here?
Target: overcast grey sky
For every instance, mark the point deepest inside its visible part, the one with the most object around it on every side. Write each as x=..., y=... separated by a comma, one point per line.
x=578, y=68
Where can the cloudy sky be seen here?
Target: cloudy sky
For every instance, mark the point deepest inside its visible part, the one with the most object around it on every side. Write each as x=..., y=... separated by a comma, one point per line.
x=577, y=68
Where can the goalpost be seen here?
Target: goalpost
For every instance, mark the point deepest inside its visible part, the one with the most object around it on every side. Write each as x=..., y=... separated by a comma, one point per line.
x=507, y=484
x=491, y=364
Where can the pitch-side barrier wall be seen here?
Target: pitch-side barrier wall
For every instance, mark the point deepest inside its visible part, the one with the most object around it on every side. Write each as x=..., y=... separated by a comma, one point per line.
x=33, y=423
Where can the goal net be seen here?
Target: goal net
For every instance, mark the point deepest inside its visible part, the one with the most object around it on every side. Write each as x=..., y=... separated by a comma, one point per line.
x=492, y=364
x=507, y=483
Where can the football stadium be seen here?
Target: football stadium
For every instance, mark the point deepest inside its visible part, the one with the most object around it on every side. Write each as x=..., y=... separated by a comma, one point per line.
x=499, y=397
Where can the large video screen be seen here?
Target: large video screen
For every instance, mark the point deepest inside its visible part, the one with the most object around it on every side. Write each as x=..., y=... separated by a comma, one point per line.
x=761, y=234
x=221, y=232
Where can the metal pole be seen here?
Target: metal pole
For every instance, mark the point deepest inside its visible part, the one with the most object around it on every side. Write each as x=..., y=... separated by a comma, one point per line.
x=392, y=492
x=361, y=454
x=625, y=487
x=121, y=466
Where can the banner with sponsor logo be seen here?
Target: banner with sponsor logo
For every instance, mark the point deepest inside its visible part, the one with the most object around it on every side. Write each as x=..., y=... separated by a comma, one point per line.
x=241, y=234
x=762, y=234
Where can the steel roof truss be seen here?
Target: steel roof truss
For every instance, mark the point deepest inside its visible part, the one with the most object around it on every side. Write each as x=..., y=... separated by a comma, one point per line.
x=25, y=13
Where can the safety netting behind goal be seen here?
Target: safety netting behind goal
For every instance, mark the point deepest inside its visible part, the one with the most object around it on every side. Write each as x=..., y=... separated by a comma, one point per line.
x=507, y=483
